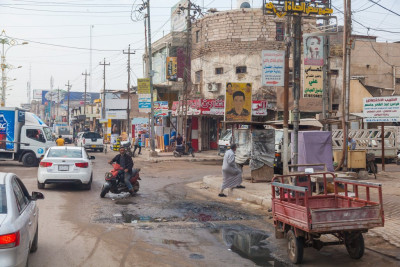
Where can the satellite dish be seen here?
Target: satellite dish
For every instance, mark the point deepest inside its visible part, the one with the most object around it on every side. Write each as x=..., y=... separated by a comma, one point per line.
x=245, y=5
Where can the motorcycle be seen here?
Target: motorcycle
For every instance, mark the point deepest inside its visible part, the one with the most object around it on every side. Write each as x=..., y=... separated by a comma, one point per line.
x=180, y=150
x=115, y=181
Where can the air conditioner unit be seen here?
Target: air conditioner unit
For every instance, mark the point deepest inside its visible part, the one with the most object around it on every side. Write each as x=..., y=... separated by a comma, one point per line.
x=212, y=87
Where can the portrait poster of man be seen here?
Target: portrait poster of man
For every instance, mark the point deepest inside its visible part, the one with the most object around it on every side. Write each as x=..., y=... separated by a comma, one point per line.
x=238, y=102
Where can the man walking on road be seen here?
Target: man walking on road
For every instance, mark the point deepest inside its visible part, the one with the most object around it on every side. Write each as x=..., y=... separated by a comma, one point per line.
x=232, y=174
x=138, y=144
x=60, y=141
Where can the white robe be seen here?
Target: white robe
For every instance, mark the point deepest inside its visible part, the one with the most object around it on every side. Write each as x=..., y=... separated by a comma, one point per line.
x=231, y=172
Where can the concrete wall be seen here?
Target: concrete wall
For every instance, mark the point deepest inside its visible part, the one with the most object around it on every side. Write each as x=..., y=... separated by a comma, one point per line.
x=357, y=93
x=366, y=61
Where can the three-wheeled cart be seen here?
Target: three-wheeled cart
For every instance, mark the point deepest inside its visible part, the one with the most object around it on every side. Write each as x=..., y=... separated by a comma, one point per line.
x=304, y=217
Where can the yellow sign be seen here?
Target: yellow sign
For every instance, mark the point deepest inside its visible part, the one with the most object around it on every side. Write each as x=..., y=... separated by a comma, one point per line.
x=313, y=82
x=293, y=7
x=238, y=102
x=143, y=86
x=172, y=68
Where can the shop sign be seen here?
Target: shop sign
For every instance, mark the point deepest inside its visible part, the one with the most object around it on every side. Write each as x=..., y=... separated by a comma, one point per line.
x=144, y=103
x=212, y=107
x=313, y=7
x=143, y=86
x=259, y=108
x=313, y=82
x=161, y=108
x=381, y=109
x=273, y=67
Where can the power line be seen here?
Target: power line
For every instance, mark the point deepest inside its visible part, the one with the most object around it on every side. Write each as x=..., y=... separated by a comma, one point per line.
x=387, y=9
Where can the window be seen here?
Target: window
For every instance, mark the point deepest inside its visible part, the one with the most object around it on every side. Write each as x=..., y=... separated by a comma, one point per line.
x=334, y=72
x=3, y=199
x=219, y=70
x=65, y=153
x=397, y=80
x=241, y=69
x=280, y=31
x=90, y=135
x=35, y=134
x=198, y=76
x=22, y=199
x=197, y=36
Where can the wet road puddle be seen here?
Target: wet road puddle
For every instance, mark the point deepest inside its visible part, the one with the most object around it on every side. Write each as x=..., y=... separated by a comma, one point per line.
x=177, y=243
x=248, y=243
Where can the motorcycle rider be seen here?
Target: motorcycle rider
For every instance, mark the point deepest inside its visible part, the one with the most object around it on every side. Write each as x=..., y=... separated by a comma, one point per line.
x=126, y=163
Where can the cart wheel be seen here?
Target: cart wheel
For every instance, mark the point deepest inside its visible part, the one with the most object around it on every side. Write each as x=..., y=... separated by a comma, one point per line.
x=355, y=245
x=295, y=247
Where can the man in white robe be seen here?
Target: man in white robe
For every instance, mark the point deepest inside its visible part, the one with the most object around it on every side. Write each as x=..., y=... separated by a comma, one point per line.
x=231, y=172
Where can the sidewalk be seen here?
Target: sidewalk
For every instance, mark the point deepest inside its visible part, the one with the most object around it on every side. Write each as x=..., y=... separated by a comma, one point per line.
x=168, y=156
x=260, y=193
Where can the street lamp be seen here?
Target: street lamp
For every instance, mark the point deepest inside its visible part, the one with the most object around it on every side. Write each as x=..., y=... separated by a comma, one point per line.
x=4, y=40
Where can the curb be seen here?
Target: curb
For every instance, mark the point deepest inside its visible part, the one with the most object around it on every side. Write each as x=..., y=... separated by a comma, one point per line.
x=188, y=159
x=249, y=194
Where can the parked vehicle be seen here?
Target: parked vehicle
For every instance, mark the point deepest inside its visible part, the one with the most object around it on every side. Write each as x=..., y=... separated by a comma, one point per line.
x=65, y=164
x=371, y=141
x=65, y=131
x=180, y=150
x=115, y=181
x=303, y=217
x=224, y=141
x=23, y=136
x=19, y=215
x=90, y=140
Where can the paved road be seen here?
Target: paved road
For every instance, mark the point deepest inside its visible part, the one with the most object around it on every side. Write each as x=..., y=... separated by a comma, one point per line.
x=166, y=224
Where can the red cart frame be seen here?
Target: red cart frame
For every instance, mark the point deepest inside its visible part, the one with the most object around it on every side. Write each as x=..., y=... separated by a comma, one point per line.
x=304, y=217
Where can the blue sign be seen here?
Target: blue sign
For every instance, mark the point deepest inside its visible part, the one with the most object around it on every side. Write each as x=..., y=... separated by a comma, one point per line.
x=21, y=116
x=7, y=124
x=40, y=151
x=56, y=96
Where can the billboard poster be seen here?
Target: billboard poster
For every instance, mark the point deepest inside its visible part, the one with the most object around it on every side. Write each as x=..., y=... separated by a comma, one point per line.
x=144, y=103
x=178, y=17
x=7, y=127
x=273, y=67
x=61, y=96
x=381, y=109
x=238, y=102
x=161, y=108
x=313, y=82
x=172, y=68
x=143, y=86
x=313, y=50
x=37, y=94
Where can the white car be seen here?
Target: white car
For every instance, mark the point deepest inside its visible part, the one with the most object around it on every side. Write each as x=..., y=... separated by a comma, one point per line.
x=90, y=140
x=66, y=164
x=19, y=221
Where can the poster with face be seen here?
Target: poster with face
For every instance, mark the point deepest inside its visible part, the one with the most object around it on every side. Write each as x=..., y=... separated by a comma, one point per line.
x=238, y=102
x=313, y=50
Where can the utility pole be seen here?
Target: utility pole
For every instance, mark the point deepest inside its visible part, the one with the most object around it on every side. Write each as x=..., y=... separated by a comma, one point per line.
x=186, y=72
x=104, y=64
x=84, y=97
x=68, y=90
x=296, y=84
x=152, y=133
x=286, y=98
x=346, y=81
x=128, y=109
x=58, y=100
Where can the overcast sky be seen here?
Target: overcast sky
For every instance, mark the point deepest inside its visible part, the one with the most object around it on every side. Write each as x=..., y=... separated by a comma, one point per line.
x=58, y=32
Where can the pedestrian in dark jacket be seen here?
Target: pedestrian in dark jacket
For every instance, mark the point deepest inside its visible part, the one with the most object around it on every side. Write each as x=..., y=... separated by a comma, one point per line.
x=126, y=162
x=138, y=144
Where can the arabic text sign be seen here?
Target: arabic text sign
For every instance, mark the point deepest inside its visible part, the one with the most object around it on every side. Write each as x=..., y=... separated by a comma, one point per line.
x=273, y=67
x=161, y=108
x=313, y=81
x=143, y=86
x=144, y=103
x=259, y=108
x=382, y=109
x=312, y=7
